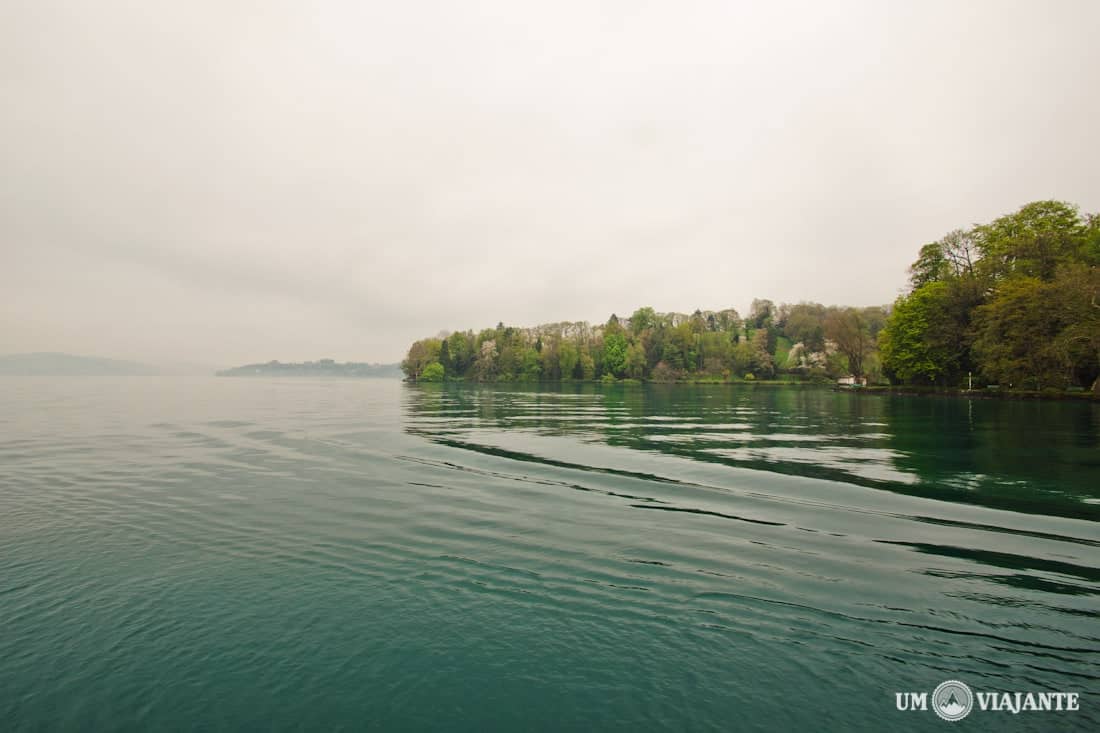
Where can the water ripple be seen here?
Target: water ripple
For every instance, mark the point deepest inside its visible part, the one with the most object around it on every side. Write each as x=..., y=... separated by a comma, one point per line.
x=286, y=554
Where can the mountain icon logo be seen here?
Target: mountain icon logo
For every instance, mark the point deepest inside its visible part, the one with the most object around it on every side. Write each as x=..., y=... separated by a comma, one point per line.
x=952, y=700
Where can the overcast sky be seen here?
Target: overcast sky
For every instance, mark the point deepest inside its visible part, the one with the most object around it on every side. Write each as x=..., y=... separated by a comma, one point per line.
x=237, y=181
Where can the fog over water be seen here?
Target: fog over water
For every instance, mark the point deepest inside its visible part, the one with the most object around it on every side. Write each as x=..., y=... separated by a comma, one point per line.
x=239, y=181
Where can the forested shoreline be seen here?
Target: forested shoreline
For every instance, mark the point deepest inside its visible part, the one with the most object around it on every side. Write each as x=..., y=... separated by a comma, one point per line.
x=1012, y=304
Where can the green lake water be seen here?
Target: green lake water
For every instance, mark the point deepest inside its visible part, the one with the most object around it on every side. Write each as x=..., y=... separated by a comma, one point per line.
x=252, y=554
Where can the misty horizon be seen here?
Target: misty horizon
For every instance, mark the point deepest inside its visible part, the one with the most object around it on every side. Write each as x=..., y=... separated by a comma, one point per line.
x=224, y=185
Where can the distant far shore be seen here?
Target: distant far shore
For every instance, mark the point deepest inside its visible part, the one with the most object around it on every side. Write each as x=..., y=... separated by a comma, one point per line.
x=321, y=368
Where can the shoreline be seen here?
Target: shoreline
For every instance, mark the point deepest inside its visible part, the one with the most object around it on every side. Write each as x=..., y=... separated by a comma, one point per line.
x=879, y=390
x=876, y=390
x=978, y=394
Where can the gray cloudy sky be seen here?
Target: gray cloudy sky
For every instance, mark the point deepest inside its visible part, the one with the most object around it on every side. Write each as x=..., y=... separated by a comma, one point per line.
x=239, y=180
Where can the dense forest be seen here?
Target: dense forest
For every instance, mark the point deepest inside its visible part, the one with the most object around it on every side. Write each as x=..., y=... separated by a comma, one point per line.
x=1015, y=302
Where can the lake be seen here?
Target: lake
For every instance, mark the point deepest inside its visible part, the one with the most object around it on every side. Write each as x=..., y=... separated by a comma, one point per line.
x=227, y=554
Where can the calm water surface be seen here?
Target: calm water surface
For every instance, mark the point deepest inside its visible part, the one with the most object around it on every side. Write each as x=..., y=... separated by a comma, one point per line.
x=226, y=554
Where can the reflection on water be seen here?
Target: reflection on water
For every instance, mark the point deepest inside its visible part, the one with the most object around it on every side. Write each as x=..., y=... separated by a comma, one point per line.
x=1040, y=457
x=885, y=515
x=850, y=520
x=326, y=555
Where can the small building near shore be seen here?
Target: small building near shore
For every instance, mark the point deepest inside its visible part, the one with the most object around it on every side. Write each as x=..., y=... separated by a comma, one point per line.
x=852, y=381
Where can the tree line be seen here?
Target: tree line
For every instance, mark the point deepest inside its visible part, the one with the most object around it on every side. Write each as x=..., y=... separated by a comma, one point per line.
x=1015, y=302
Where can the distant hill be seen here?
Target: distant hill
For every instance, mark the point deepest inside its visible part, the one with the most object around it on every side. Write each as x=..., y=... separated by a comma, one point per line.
x=322, y=368
x=52, y=364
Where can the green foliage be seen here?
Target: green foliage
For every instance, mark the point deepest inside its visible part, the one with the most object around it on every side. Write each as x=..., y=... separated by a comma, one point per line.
x=642, y=320
x=587, y=366
x=1090, y=241
x=761, y=313
x=1009, y=300
x=1016, y=332
x=763, y=364
x=634, y=364
x=910, y=346
x=445, y=356
x=931, y=266
x=421, y=353
x=782, y=351
x=532, y=366
x=462, y=347
x=1077, y=295
x=744, y=358
x=1033, y=241
x=614, y=359
x=1038, y=334
x=1014, y=301
x=805, y=324
x=850, y=330
x=568, y=357
x=672, y=356
x=432, y=373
